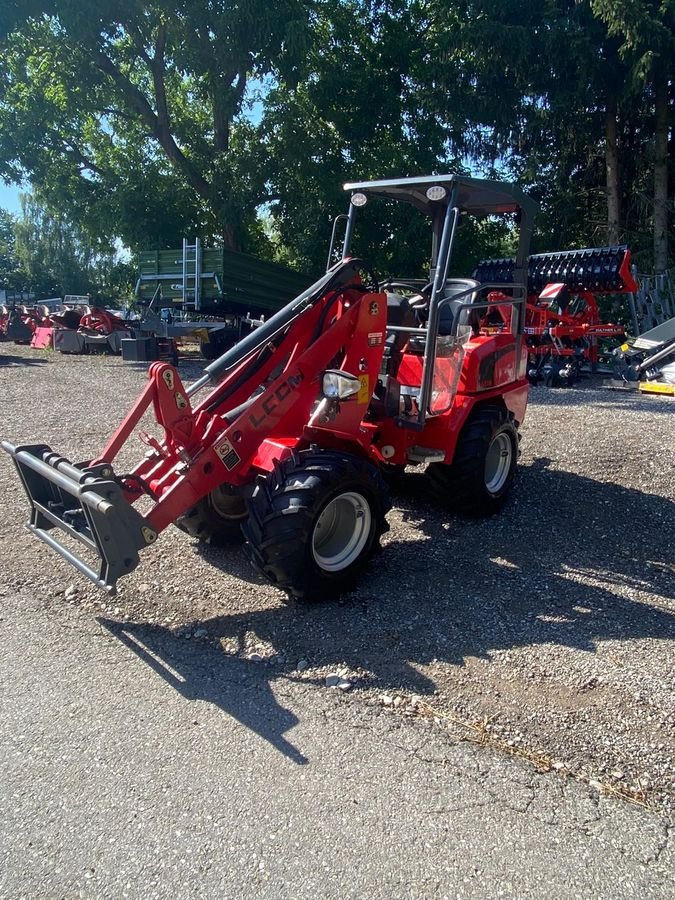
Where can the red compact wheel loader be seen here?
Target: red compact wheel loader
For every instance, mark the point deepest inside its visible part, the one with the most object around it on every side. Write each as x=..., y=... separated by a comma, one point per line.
x=302, y=419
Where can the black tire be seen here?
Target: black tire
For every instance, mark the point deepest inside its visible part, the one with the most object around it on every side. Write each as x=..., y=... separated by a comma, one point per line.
x=218, y=343
x=393, y=473
x=315, y=521
x=210, y=349
x=482, y=471
x=217, y=519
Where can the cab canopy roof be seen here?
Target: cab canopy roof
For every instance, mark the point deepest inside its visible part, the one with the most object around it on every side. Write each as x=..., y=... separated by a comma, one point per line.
x=475, y=196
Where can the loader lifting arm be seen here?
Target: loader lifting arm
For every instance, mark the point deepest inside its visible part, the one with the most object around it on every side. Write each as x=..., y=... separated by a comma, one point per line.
x=264, y=393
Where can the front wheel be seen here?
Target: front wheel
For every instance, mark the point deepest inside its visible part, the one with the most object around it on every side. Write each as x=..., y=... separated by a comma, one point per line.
x=482, y=471
x=217, y=518
x=315, y=521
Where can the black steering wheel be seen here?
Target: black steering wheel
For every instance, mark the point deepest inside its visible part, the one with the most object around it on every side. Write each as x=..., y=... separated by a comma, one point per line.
x=419, y=302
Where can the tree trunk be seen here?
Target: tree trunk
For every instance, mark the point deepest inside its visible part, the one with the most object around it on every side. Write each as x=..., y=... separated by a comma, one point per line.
x=661, y=174
x=231, y=238
x=612, y=167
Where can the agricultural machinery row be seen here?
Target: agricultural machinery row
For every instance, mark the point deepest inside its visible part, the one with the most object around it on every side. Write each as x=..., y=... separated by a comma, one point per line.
x=563, y=327
x=71, y=326
x=208, y=298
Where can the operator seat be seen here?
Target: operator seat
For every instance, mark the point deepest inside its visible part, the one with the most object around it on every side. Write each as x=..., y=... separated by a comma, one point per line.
x=451, y=310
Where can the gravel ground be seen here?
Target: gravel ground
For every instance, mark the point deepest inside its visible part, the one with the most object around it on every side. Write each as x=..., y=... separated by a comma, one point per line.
x=546, y=631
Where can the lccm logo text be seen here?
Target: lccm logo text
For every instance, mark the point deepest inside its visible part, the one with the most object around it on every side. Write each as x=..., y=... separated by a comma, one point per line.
x=278, y=396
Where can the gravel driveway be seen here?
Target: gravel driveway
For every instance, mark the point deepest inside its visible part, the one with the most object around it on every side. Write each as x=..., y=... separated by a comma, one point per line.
x=546, y=631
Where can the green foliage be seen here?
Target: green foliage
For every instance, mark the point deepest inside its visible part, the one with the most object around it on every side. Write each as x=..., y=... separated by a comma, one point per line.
x=356, y=115
x=645, y=30
x=102, y=103
x=138, y=119
x=53, y=257
x=11, y=275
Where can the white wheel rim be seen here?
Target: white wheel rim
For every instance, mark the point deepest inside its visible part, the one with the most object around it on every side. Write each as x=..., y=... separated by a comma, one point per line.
x=228, y=504
x=498, y=462
x=341, y=531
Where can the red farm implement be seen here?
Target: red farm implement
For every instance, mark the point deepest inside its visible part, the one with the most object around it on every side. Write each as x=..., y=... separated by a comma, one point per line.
x=304, y=416
x=19, y=323
x=563, y=327
x=86, y=330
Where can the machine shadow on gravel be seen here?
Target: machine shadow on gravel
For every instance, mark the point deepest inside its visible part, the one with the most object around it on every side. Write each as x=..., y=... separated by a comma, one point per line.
x=17, y=361
x=201, y=671
x=466, y=588
x=231, y=559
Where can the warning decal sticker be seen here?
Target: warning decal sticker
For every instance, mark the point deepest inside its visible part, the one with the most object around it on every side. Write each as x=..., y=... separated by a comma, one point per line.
x=364, y=392
x=227, y=454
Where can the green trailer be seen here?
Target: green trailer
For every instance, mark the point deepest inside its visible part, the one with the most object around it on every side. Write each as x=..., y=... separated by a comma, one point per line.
x=216, y=281
x=215, y=295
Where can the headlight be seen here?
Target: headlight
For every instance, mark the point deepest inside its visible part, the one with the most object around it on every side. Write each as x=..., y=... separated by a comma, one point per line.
x=339, y=385
x=436, y=192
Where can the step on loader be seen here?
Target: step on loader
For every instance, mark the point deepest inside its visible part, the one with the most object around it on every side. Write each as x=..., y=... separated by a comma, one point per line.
x=302, y=421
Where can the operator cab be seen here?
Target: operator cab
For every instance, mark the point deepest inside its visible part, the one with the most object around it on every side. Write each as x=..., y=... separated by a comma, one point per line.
x=435, y=320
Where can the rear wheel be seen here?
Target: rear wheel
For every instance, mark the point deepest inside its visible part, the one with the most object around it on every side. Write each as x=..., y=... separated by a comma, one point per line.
x=482, y=472
x=315, y=521
x=217, y=518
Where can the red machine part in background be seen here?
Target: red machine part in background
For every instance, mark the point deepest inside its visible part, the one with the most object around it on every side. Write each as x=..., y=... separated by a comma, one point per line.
x=20, y=323
x=562, y=320
x=4, y=321
x=78, y=330
x=563, y=330
x=102, y=322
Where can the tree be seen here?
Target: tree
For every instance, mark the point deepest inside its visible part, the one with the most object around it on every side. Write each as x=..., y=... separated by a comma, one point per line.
x=99, y=97
x=155, y=119
x=57, y=258
x=553, y=98
x=646, y=31
x=359, y=113
x=11, y=276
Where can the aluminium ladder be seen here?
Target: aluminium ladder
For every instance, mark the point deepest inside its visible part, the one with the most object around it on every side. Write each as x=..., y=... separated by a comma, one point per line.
x=192, y=274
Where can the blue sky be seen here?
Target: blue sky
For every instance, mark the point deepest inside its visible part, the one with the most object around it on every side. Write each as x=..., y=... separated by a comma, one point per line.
x=9, y=197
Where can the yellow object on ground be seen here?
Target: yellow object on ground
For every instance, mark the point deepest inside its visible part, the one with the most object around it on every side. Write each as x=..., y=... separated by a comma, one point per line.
x=657, y=387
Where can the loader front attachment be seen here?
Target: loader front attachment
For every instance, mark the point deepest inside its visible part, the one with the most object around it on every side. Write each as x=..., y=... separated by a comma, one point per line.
x=85, y=504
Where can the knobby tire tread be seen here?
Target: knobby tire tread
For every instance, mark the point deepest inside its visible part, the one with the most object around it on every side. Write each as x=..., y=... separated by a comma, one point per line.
x=461, y=485
x=283, y=511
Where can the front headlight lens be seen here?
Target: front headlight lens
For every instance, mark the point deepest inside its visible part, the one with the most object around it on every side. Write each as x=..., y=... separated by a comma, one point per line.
x=339, y=385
